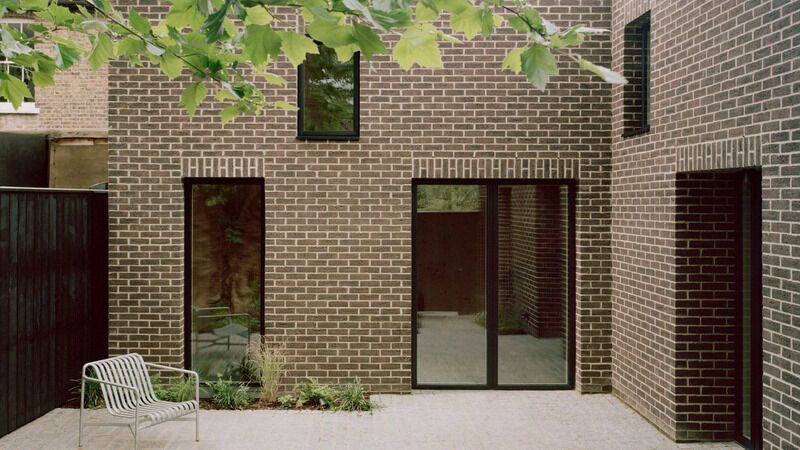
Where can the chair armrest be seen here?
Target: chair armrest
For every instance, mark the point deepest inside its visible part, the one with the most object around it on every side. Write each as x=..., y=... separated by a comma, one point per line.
x=188, y=372
x=174, y=369
x=111, y=383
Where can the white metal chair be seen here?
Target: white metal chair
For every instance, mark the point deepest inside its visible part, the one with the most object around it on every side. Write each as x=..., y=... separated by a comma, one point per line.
x=128, y=393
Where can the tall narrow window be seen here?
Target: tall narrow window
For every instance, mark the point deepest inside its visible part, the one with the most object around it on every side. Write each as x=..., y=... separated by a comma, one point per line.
x=636, y=68
x=225, y=269
x=18, y=28
x=328, y=96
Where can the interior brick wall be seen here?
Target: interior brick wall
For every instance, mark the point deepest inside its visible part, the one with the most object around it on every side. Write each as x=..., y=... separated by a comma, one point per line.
x=338, y=214
x=724, y=80
x=538, y=256
x=706, y=226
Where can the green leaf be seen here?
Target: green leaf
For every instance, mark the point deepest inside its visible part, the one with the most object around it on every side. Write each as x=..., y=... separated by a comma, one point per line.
x=487, y=22
x=280, y=104
x=469, y=21
x=512, y=60
x=260, y=42
x=229, y=113
x=130, y=46
x=539, y=65
x=171, y=65
x=296, y=46
x=517, y=24
x=345, y=53
x=418, y=46
x=369, y=42
x=185, y=13
x=330, y=33
x=273, y=79
x=45, y=70
x=533, y=18
x=138, y=22
x=606, y=74
x=257, y=15
x=41, y=78
x=103, y=50
x=454, y=6
x=213, y=25
x=35, y=5
x=193, y=96
x=66, y=56
x=427, y=10
x=13, y=89
x=386, y=20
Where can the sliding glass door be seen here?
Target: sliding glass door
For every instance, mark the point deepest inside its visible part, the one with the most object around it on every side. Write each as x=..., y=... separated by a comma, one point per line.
x=224, y=273
x=493, y=283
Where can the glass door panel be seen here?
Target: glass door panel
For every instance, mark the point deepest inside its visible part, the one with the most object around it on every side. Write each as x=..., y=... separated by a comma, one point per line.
x=532, y=288
x=450, y=288
x=226, y=258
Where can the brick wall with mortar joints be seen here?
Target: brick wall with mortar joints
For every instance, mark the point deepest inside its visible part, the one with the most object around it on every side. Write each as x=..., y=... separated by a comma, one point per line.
x=338, y=213
x=722, y=81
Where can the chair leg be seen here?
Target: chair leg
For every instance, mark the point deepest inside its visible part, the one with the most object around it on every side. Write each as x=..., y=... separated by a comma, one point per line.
x=197, y=424
x=80, y=414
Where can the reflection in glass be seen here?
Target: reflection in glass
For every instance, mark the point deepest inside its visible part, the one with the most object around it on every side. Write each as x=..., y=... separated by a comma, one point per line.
x=328, y=93
x=450, y=284
x=532, y=284
x=226, y=230
x=746, y=318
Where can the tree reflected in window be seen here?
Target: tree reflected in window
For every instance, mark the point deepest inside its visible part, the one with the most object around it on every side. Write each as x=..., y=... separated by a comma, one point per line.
x=328, y=96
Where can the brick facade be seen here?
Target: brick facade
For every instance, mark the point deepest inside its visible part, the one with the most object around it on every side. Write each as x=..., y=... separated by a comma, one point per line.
x=723, y=96
x=338, y=214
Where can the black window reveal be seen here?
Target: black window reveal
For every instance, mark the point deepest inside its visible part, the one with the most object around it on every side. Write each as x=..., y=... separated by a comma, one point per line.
x=328, y=97
x=636, y=68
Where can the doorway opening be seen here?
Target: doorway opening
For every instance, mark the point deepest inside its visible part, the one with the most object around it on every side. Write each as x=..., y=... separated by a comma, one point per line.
x=493, y=284
x=718, y=305
x=224, y=264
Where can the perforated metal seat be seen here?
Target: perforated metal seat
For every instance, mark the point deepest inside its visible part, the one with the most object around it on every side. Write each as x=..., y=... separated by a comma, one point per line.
x=128, y=393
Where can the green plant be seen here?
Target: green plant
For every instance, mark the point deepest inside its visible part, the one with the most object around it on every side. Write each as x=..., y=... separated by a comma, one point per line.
x=228, y=394
x=246, y=371
x=178, y=390
x=268, y=361
x=222, y=43
x=93, y=395
x=310, y=393
x=287, y=401
x=352, y=397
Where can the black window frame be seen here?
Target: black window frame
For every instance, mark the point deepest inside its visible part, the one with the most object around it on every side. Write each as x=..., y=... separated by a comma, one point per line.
x=645, y=66
x=491, y=259
x=331, y=135
x=188, y=184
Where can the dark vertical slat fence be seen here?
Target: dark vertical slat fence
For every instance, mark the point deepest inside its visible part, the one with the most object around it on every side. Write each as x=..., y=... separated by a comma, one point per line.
x=53, y=297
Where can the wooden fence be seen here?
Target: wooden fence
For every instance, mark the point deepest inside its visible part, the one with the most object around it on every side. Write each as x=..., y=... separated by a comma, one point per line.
x=53, y=296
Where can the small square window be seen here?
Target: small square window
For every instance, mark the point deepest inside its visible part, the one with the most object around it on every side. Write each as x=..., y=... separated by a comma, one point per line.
x=7, y=66
x=636, y=68
x=328, y=97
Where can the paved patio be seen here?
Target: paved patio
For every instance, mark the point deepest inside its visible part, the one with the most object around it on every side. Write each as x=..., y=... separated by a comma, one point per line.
x=423, y=420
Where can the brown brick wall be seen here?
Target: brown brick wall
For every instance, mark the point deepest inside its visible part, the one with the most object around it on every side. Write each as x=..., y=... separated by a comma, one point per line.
x=338, y=214
x=724, y=95
x=705, y=302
